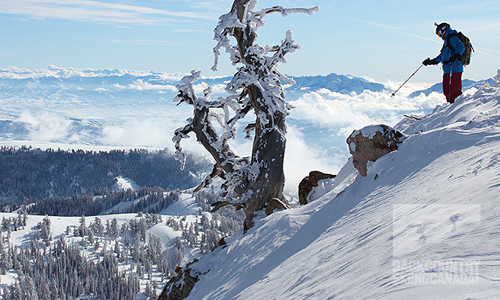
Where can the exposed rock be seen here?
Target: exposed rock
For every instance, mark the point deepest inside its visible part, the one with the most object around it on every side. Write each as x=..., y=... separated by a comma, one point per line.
x=371, y=143
x=181, y=285
x=248, y=222
x=218, y=205
x=309, y=182
x=274, y=204
x=222, y=242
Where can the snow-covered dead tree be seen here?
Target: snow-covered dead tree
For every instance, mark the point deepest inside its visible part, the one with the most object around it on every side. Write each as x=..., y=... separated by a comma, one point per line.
x=250, y=182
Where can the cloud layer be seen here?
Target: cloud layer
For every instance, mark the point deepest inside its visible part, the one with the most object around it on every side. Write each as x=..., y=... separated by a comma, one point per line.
x=46, y=126
x=352, y=111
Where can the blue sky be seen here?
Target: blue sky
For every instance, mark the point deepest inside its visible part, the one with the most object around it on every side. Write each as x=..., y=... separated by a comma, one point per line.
x=383, y=39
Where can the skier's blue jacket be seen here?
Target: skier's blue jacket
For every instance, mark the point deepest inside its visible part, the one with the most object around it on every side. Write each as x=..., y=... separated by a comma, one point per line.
x=447, y=52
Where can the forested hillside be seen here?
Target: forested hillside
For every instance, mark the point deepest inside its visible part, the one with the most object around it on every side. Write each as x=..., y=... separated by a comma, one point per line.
x=148, y=200
x=38, y=174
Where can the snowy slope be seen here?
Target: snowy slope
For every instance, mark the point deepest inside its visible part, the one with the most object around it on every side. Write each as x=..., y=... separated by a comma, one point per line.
x=422, y=225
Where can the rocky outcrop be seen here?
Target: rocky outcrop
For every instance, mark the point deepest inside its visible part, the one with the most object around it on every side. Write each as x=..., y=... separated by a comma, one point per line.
x=274, y=204
x=181, y=285
x=371, y=143
x=309, y=182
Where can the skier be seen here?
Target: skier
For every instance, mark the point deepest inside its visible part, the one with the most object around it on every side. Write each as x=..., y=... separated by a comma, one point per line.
x=450, y=57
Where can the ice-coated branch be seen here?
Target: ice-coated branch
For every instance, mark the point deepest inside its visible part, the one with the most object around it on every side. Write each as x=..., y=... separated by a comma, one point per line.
x=205, y=114
x=226, y=26
x=286, y=11
x=179, y=135
x=287, y=46
x=243, y=18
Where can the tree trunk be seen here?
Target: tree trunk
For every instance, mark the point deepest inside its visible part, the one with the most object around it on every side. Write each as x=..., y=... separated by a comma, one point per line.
x=269, y=143
x=268, y=153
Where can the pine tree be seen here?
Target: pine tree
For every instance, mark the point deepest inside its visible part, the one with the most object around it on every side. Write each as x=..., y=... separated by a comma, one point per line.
x=45, y=234
x=91, y=237
x=179, y=251
x=3, y=256
x=82, y=229
x=117, y=249
x=97, y=227
x=114, y=228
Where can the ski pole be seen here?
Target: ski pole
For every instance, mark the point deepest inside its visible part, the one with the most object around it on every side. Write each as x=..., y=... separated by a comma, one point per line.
x=394, y=94
x=451, y=74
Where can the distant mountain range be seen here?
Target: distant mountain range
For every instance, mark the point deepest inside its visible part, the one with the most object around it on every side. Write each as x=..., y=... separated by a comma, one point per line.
x=86, y=101
x=343, y=84
x=60, y=85
x=135, y=108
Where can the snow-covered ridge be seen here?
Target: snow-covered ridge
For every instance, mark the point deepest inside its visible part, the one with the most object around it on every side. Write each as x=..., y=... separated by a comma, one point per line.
x=65, y=73
x=344, y=84
x=420, y=225
x=466, y=84
x=332, y=82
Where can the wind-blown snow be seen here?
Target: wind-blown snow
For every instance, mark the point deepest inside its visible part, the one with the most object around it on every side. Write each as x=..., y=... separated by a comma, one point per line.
x=422, y=225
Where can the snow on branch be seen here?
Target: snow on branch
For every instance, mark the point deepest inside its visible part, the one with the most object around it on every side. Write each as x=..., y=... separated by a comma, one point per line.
x=225, y=112
x=250, y=20
x=227, y=23
x=286, y=11
x=186, y=89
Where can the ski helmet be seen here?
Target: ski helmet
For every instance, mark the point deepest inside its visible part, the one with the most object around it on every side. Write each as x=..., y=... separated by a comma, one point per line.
x=441, y=28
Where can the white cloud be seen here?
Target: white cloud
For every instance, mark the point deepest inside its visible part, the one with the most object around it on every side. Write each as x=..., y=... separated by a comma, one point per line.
x=150, y=133
x=350, y=112
x=54, y=71
x=217, y=89
x=301, y=158
x=93, y=11
x=143, y=85
x=46, y=126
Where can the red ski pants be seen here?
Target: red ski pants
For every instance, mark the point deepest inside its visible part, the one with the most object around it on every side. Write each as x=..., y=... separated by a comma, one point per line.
x=452, y=88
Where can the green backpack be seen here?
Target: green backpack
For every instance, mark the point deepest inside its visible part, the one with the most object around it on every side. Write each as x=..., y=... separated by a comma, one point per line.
x=465, y=58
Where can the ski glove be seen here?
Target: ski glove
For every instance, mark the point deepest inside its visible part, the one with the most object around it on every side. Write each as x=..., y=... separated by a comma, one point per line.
x=429, y=61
